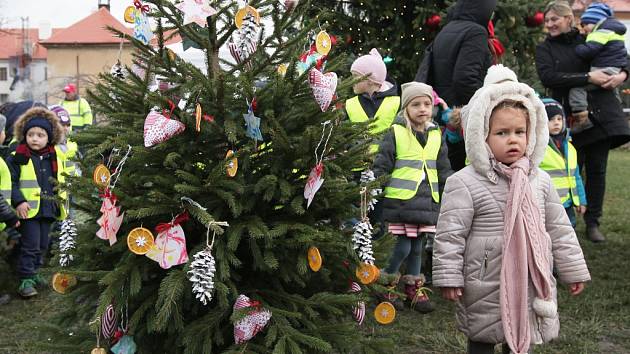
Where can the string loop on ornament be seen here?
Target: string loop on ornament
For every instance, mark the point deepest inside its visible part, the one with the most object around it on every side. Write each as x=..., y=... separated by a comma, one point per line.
x=364, y=203
x=98, y=330
x=318, y=158
x=119, y=167
x=214, y=232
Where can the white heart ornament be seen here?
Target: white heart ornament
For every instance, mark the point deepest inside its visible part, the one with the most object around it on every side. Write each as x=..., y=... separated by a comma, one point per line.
x=158, y=128
x=323, y=86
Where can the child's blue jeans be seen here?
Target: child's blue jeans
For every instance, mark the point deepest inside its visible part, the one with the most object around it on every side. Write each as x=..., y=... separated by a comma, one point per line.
x=410, y=249
x=33, y=245
x=571, y=214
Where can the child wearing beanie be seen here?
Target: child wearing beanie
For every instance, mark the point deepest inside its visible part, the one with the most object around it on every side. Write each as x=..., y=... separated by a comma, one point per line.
x=376, y=100
x=34, y=163
x=605, y=50
x=560, y=162
x=413, y=153
x=502, y=228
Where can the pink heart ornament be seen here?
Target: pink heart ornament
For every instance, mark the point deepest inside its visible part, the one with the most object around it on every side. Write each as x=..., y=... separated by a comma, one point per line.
x=323, y=86
x=158, y=128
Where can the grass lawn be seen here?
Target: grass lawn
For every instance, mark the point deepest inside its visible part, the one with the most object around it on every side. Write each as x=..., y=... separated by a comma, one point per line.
x=598, y=321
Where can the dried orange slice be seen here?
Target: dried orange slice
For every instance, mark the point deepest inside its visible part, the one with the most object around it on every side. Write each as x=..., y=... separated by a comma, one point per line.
x=244, y=11
x=367, y=273
x=61, y=282
x=385, y=313
x=98, y=350
x=130, y=14
x=101, y=176
x=314, y=259
x=140, y=240
x=323, y=43
x=232, y=165
x=198, y=117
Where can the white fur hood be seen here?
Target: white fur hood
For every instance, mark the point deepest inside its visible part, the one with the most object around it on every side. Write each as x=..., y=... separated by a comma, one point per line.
x=501, y=84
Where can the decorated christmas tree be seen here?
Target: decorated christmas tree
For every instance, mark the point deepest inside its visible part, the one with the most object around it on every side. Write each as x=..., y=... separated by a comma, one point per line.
x=401, y=30
x=213, y=202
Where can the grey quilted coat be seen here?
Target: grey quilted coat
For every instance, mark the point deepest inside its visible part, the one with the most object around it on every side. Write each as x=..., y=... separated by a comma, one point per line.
x=469, y=239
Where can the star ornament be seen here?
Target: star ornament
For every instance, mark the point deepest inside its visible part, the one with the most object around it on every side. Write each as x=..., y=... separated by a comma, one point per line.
x=196, y=11
x=253, y=125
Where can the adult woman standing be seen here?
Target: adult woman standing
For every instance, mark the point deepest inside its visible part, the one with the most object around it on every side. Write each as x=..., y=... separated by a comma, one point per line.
x=560, y=69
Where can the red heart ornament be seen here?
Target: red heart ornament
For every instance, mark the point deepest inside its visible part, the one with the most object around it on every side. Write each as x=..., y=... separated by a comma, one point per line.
x=158, y=128
x=323, y=86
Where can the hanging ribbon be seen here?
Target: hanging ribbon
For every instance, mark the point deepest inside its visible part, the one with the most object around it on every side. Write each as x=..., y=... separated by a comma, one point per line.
x=496, y=47
x=182, y=217
x=107, y=193
x=167, y=113
x=142, y=7
x=319, y=159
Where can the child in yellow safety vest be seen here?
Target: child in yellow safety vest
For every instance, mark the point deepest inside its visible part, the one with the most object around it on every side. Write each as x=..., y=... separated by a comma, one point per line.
x=560, y=162
x=34, y=163
x=376, y=100
x=414, y=154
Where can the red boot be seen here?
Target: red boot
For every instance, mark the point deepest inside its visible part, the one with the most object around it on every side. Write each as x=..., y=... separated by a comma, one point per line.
x=417, y=297
x=390, y=281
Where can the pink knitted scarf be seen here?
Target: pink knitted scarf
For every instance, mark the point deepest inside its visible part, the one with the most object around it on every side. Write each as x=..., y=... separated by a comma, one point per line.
x=525, y=256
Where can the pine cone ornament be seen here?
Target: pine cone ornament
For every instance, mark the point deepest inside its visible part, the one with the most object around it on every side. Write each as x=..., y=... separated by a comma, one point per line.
x=362, y=241
x=243, y=43
x=67, y=241
x=201, y=274
x=366, y=177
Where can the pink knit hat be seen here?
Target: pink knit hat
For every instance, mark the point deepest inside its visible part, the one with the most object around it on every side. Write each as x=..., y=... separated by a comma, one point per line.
x=371, y=64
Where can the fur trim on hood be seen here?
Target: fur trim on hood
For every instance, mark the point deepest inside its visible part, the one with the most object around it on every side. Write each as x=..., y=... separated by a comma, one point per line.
x=501, y=84
x=38, y=112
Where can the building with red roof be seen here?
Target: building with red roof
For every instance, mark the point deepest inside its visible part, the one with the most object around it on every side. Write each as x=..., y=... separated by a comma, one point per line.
x=80, y=52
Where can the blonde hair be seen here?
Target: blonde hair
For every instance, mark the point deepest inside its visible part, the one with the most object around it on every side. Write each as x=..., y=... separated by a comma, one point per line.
x=561, y=8
x=408, y=121
x=511, y=104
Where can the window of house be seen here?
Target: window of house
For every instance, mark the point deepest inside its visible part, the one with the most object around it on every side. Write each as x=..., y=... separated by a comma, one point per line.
x=3, y=74
x=4, y=98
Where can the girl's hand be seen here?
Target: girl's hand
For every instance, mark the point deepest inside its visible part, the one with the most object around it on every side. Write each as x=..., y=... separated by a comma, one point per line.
x=452, y=294
x=443, y=105
x=615, y=80
x=22, y=210
x=581, y=209
x=576, y=288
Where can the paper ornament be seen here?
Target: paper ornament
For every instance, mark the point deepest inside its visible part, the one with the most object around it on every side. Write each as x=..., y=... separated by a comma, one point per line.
x=110, y=220
x=323, y=43
x=201, y=274
x=140, y=240
x=358, y=311
x=254, y=322
x=385, y=313
x=169, y=248
x=313, y=183
x=311, y=59
x=367, y=176
x=252, y=124
x=158, y=128
x=62, y=282
x=362, y=241
x=196, y=11
x=108, y=322
x=323, y=86
x=67, y=242
x=125, y=345
x=314, y=259
x=141, y=26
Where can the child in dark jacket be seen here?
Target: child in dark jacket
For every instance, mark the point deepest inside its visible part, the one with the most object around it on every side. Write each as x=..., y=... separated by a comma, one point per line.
x=560, y=162
x=414, y=153
x=35, y=162
x=604, y=48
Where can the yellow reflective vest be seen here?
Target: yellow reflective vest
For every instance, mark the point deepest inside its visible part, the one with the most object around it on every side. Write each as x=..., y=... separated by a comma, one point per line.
x=562, y=172
x=413, y=163
x=5, y=185
x=69, y=155
x=383, y=118
x=30, y=187
x=80, y=112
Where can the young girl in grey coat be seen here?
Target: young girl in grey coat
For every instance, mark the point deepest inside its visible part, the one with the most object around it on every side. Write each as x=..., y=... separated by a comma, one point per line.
x=502, y=227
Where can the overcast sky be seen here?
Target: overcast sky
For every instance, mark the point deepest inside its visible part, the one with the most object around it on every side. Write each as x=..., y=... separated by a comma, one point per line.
x=59, y=13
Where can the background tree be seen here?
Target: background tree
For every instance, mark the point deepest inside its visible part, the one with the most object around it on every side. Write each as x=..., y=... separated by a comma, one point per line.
x=262, y=254
x=401, y=31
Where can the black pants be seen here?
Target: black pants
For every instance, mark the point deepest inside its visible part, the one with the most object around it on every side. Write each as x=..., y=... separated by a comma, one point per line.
x=33, y=245
x=487, y=348
x=593, y=159
x=457, y=155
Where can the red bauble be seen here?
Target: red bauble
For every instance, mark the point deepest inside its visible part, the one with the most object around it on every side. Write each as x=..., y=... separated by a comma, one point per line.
x=535, y=20
x=433, y=22
x=348, y=39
